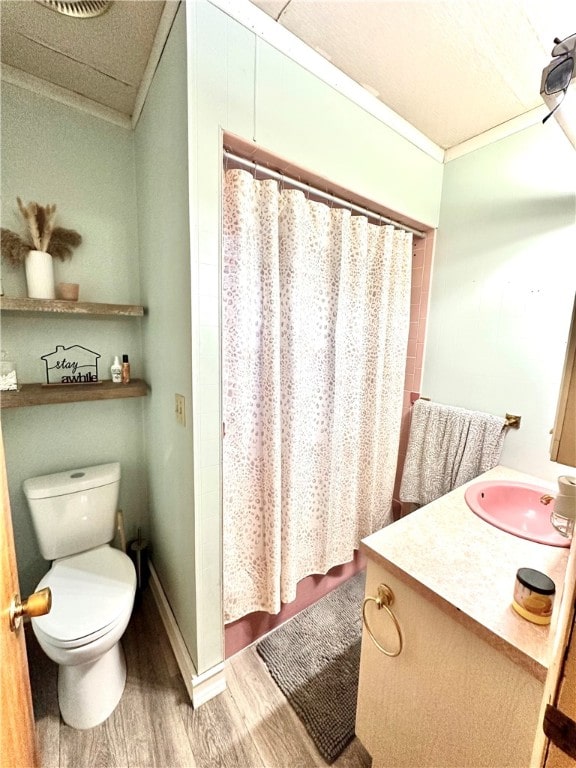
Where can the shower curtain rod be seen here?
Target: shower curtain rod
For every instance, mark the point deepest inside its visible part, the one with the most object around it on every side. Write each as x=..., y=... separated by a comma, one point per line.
x=251, y=165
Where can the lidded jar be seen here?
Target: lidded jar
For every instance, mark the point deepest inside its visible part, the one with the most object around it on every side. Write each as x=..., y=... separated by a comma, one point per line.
x=534, y=595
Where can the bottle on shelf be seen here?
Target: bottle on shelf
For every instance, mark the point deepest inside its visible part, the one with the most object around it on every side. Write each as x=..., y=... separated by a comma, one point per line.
x=116, y=370
x=125, y=370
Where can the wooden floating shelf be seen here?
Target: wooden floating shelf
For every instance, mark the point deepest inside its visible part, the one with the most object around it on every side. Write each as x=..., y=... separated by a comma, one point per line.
x=38, y=394
x=56, y=306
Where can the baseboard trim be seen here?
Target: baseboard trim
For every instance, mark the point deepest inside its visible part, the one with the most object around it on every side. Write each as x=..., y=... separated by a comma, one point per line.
x=208, y=685
x=201, y=687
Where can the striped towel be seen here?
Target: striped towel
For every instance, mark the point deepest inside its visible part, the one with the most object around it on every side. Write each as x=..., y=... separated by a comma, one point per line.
x=448, y=446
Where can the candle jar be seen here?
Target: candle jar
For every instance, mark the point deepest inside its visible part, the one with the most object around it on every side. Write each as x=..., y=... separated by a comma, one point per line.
x=534, y=595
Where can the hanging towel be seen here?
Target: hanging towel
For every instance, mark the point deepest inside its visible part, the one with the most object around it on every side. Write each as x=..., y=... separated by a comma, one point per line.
x=447, y=446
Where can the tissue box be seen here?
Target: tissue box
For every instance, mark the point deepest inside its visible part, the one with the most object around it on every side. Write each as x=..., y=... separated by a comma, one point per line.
x=8, y=378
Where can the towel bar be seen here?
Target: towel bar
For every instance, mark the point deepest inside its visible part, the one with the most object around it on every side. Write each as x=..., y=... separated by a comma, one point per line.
x=510, y=420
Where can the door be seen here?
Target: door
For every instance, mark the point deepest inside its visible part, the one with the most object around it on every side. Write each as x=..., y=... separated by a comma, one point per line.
x=17, y=736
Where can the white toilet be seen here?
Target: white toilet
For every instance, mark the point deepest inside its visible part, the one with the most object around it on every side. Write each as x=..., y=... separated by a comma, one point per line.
x=93, y=588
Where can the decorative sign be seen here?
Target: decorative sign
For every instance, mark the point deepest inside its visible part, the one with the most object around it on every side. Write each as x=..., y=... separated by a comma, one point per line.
x=71, y=365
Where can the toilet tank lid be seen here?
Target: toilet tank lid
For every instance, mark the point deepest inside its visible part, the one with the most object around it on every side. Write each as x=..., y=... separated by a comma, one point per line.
x=71, y=481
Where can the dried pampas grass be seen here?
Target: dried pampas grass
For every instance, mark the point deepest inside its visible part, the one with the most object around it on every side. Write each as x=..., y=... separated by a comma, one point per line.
x=63, y=241
x=42, y=235
x=13, y=248
x=40, y=221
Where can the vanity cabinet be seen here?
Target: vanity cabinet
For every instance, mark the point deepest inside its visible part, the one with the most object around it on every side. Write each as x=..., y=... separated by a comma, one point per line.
x=449, y=698
x=468, y=686
x=39, y=394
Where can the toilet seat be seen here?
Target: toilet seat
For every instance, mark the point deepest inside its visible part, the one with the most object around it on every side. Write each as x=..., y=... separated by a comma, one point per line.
x=91, y=594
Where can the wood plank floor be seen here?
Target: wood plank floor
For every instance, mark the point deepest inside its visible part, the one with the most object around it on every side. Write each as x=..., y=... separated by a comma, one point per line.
x=250, y=725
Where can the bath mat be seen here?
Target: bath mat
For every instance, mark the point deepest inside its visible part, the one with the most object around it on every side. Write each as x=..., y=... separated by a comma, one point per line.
x=315, y=659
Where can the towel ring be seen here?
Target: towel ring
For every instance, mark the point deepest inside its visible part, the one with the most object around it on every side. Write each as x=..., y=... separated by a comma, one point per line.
x=384, y=600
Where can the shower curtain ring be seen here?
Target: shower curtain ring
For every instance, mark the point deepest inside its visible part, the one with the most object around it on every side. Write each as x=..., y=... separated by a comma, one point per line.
x=384, y=600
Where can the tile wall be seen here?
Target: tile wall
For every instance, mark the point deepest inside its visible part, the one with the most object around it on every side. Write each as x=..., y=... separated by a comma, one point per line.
x=422, y=255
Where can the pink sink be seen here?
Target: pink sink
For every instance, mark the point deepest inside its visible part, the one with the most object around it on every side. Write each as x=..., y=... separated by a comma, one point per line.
x=516, y=508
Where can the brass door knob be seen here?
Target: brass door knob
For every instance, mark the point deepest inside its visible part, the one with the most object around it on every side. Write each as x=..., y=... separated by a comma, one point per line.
x=37, y=604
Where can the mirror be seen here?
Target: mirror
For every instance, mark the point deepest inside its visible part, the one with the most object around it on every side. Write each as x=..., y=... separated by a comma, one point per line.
x=564, y=434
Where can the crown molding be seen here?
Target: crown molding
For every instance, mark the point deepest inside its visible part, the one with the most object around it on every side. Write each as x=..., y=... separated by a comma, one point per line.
x=164, y=27
x=287, y=43
x=520, y=123
x=35, y=84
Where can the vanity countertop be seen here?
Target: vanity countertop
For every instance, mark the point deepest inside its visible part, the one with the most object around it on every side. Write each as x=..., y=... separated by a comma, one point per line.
x=468, y=568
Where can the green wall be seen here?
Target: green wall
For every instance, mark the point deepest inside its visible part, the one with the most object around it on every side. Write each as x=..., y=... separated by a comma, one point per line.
x=52, y=153
x=162, y=184
x=503, y=287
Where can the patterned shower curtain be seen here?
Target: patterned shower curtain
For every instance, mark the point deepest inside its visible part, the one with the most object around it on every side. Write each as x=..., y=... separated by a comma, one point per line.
x=316, y=308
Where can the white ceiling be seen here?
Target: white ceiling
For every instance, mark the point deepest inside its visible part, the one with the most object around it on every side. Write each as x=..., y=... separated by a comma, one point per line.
x=451, y=68
x=102, y=59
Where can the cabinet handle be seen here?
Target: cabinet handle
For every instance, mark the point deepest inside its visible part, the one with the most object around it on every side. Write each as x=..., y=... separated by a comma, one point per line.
x=384, y=600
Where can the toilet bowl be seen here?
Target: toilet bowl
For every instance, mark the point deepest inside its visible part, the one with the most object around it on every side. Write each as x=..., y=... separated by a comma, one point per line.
x=93, y=587
x=93, y=594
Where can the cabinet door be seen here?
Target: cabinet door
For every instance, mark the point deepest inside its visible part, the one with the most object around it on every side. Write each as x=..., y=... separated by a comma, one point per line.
x=449, y=699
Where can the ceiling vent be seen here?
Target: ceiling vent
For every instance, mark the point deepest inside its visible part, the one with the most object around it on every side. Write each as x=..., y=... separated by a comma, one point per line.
x=79, y=9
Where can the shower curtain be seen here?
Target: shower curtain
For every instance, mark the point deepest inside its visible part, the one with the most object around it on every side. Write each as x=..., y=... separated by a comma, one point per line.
x=316, y=308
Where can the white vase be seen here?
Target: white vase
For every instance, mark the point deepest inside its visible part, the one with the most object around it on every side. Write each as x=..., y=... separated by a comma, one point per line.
x=39, y=275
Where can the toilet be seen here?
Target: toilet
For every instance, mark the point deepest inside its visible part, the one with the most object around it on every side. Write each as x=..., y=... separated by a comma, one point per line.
x=93, y=587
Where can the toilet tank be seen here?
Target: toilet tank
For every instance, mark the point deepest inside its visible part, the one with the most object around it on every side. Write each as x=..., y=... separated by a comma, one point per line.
x=74, y=511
